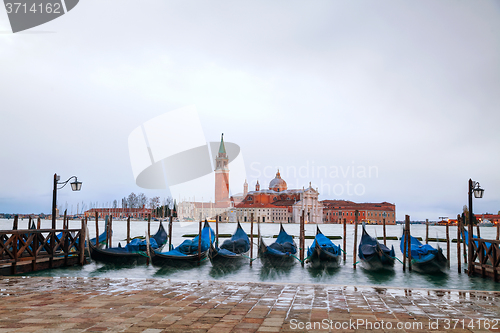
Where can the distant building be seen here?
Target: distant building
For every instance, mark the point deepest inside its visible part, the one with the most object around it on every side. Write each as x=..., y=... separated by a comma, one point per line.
x=278, y=204
x=335, y=211
x=122, y=213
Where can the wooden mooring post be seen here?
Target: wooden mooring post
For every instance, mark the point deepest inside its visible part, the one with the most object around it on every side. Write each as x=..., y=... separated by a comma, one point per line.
x=301, y=238
x=96, y=229
x=128, y=229
x=459, y=240
x=170, y=232
x=345, y=240
x=355, y=250
x=199, y=243
x=251, y=239
x=217, y=230
x=15, y=223
x=448, y=243
x=426, y=231
x=385, y=236
x=149, y=226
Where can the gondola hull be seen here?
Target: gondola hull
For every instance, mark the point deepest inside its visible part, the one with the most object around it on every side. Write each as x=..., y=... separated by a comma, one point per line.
x=425, y=258
x=233, y=252
x=323, y=253
x=117, y=256
x=378, y=262
x=217, y=258
x=160, y=259
x=270, y=258
x=125, y=256
x=322, y=258
x=373, y=255
x=178, y=257
x=434, y=263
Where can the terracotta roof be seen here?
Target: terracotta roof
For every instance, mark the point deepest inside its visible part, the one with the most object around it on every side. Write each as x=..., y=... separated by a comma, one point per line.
x=256, y=205
x=349, y=205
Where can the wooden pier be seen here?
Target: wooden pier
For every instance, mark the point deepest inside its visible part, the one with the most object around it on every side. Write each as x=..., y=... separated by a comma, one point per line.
x=485, y=258
x=29, y=250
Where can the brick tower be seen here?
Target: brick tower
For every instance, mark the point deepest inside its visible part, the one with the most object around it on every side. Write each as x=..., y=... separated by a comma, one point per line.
x=221, y=175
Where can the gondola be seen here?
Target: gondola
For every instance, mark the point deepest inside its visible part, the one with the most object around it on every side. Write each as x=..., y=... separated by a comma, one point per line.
x=424, y=257
x=466, y=235
x=322, y=252
x=231, y=252
x=374, y=255
x=133, y=253
x=187, y=252
x=281, y=252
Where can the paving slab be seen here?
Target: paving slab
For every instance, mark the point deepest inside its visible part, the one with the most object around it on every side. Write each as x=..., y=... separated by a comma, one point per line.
x=46, y=304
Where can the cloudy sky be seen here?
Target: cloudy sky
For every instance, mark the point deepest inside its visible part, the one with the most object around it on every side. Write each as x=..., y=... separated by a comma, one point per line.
x=407, y=90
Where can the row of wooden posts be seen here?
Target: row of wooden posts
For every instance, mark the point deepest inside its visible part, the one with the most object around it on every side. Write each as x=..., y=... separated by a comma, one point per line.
x=470, y=252
x=460, y=235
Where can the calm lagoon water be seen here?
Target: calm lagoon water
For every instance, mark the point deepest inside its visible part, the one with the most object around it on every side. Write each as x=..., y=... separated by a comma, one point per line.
x=343, y=275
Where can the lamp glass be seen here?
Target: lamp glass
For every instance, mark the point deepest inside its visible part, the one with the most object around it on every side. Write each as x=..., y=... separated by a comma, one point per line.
x=76, y=186
x=478, y=193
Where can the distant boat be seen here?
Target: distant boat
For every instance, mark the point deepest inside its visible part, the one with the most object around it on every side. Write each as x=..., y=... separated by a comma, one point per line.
x=322, y=252
x=486, y=223
x=187, y=252
x=425, y=258
x=133, y=253
x=232, y=251
x=373, y=254
x=281, y=252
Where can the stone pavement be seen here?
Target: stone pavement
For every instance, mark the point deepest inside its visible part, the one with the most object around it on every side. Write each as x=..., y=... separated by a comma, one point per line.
x=43, y=304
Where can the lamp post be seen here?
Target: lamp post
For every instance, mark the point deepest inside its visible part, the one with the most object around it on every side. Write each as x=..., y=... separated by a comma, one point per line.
x=478, y=193
x=75, y=186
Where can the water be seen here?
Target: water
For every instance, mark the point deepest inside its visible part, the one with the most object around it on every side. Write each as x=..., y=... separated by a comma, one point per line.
x=343, y=275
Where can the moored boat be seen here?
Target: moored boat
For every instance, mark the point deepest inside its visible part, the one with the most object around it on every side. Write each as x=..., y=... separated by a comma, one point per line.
x=187, y=252
x=374, y=255
x=281, y=252
x=136, y=252
x=233, y=251
x=424, y=257
x=322, y=252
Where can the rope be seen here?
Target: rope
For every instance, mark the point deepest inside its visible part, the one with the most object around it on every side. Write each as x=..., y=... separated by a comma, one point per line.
x=397, y=259
x=357, y=262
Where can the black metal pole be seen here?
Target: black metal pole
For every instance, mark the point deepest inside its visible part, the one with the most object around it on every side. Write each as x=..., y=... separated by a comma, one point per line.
x=470, y=264
x=54, y=202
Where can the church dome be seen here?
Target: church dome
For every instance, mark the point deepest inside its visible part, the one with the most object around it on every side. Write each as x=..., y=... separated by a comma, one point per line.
x=278, y=184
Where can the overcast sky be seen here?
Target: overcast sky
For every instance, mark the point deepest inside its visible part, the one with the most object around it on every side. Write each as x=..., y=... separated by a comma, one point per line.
x=409, y=90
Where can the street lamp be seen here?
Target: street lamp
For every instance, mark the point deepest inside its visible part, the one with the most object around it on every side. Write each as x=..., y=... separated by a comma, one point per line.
x=478, y=193
x=75, y=186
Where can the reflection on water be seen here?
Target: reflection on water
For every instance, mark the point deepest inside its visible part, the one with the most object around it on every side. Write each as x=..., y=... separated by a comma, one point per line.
x=194, y=271
x=270, y=273
x=345, y=274
x=437, y=279
x=322, y=273
x=379, y=276
x=221, y=270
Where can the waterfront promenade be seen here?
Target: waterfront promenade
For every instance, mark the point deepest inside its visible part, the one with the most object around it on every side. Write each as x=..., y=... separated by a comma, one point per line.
x=46, y=304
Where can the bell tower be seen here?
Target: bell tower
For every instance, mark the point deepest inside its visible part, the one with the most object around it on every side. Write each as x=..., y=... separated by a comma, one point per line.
x=222, y=175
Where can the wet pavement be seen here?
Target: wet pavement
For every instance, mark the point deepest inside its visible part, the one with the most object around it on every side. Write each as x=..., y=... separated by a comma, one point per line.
x=43, y=304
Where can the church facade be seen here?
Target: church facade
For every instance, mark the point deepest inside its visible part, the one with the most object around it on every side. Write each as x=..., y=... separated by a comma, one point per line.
x=279, y=204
